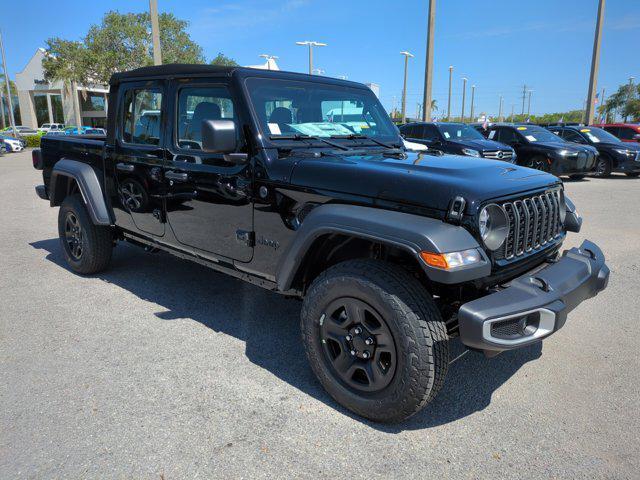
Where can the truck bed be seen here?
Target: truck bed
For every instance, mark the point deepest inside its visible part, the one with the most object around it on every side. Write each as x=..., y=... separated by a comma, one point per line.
x=86, y=148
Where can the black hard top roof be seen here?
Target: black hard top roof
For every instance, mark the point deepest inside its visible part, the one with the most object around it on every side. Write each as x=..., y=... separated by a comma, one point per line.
x=186, y=69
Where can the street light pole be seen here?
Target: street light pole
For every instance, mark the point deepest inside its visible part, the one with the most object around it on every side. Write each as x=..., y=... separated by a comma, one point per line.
x=595, y=63
x=449, y=102
x=428, y=68
x=500, y=109
x=7, y=82
x=311, y=44
x=473, y=95
x=464, y=95
x=529, y=104
x=155, y=32
x=407, y=55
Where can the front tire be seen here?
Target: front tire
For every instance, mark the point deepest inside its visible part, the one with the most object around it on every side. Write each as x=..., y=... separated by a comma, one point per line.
x=87, y=247
x=603, y=168
x=375, y=339
x=539, y=163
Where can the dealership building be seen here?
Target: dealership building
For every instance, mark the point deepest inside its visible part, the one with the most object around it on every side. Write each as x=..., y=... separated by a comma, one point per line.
x=41, y=101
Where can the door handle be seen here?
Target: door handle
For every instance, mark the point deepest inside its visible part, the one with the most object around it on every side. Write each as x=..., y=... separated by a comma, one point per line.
x=125, y=167
x=177, y=176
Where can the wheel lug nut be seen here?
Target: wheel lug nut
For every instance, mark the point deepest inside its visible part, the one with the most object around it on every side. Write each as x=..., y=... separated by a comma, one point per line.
x=357, y=330
x=353, y=352
x=348, y=338
x=369, y=341
x=365, y=354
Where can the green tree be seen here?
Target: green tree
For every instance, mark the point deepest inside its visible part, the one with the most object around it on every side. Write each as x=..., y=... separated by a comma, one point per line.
x=120, y=42
x=222, y=60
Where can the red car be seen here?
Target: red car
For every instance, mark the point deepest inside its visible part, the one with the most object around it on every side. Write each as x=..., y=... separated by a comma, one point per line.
x=627, y=132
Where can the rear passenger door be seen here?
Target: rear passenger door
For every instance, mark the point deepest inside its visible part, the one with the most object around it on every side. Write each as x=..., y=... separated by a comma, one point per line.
x=139, y=157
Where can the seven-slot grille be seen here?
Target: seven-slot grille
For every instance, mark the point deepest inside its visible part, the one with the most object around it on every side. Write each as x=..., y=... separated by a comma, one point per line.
x=533, y=223
x=498, y=154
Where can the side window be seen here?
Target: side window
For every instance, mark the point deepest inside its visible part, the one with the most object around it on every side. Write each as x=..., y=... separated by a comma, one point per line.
x=572, y=136
x=197, y=104
x=615, y=131
x=430, y=133
x=626, y=133
x=407, y=130
x=507, y=135
x=141, y=116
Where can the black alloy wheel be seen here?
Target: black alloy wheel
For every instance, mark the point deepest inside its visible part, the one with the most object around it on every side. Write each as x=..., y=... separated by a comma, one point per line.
x=603, y=167
x=358, y=345
x=73, y=235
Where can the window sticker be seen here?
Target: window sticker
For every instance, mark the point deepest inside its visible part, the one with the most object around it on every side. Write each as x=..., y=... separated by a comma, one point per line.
x=446, y=135
x=531, y=138
x=591, y=136
x=492, y=134
x=522, y=128
x=585, y=130
x=274, y=128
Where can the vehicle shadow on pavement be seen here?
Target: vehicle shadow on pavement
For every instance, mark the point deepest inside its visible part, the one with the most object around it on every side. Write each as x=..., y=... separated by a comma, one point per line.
x=269, y=325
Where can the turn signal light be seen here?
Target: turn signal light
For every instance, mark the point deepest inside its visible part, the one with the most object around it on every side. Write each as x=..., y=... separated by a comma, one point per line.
x=437, y=260
x=447, y=261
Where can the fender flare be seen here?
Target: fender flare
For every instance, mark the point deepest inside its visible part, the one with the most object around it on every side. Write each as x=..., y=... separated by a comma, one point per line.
x=89, y=185
x=409, y=232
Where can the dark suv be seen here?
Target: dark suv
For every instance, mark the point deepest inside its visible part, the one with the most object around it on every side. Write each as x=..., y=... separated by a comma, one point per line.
x=614, y=155
x=538, y=148
x=300, y=185
x=457, y=139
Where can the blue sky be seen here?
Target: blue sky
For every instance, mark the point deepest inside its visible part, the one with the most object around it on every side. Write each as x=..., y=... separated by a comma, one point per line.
x=498, y=44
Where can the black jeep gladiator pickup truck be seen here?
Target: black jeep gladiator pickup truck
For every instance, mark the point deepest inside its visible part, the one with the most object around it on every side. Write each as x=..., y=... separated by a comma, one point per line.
x=257, y=174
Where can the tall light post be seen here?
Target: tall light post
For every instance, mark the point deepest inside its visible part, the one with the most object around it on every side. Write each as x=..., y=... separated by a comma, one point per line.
x=595, y=64
x=268, y=58
x=155, y=32
x=464, y=96
x=603, y=107
x=311, y=44
x=500, y=109
x=407, y=55
x=7, y=82
x=449, y=101
x=428, y=66
x=529, y=104
x=473, y=95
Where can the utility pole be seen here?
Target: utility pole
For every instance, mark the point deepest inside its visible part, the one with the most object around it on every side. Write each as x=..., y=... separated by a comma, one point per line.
x=524, y=96
x=449, y=102
x=4, y=121
x=155, y=32
x=473, y=95
x=407, y=55
x=428, y=68
x=464, y=94
x=513, y=106
x=311, y=44
x=602, y=103
x=500, y=109
x=595, y=63
x=529, y=104
x=7, y=82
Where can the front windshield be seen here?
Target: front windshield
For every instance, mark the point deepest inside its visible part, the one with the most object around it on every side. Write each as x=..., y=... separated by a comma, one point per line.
x=286, y=108
x=539, y=134
x=597, y=135
x=459, y=131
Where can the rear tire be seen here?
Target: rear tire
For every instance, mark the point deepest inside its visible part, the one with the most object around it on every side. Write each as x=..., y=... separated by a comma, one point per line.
x=87, y=247
x=603, y=168
x=408, y=342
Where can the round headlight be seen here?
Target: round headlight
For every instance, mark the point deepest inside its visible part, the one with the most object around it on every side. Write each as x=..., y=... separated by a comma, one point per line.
x=562, y=206
x=493, y=224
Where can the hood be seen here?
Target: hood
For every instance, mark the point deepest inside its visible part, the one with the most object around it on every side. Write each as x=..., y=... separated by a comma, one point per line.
x=421, y=179
x=619, y=146
x=480, y=144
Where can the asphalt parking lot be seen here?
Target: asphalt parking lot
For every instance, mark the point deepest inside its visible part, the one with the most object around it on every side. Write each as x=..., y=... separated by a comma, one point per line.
x=161, y=368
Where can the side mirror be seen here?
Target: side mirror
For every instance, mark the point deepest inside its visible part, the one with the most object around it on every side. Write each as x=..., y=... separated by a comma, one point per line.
x=636, y=137
x=218, y=136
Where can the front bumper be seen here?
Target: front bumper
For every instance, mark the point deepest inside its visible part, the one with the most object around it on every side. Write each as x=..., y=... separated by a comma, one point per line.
x=536, y=304
x=628, y=165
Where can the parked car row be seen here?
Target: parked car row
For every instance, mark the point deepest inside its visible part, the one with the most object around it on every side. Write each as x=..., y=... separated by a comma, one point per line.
x=562, y=150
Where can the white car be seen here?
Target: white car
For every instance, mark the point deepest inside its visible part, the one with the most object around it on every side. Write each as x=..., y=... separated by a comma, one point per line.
x=51, y=127
x=12, y=144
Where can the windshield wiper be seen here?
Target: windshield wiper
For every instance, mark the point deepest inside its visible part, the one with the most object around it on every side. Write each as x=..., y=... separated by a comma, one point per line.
x=354, y=136
x=299, y=136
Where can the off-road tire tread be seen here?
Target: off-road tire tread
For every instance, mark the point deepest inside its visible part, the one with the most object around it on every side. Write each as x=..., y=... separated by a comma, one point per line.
x=98, y=239
x=420, y=320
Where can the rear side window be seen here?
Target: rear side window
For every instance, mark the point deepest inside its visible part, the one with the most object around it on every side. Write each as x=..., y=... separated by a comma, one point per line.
x=507, y=135
x=430, y=133
x=572, y=136
x=626, y=133
x=141, y=122
x=615, y=131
